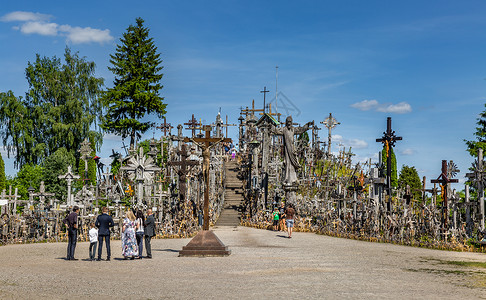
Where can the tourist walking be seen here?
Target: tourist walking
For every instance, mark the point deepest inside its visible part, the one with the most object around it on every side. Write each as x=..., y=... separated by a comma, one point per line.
x=93, y=241
x=129, y=240
x=149, y=232
x=103, y=223
x=140, y=231
x=289, y=215
x=71, y=222
x=275, y=216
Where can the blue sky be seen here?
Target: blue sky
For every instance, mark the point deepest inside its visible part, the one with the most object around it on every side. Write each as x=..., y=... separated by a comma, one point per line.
x=420, y=62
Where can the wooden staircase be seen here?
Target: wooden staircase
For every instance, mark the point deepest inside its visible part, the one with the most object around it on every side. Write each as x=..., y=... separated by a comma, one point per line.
x=233, y=197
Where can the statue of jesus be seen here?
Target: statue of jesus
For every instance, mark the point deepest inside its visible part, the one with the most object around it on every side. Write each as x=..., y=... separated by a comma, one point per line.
x=291, y=163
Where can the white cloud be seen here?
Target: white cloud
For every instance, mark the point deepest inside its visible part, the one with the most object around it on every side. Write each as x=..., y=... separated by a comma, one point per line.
x=355, y=143
x=41, y=28
x=79, y=35
x=399, y=108
x=407, y=151
x=36, y=23
x=24, y=16
x=365, y=105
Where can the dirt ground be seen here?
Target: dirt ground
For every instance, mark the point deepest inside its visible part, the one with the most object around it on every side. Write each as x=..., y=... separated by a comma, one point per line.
x=263, y=265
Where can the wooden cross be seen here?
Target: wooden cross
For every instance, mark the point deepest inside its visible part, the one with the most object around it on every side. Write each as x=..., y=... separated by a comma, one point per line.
x=389, y=138
x=184, y=166
x=206, y=144
x=443, y=180
x=227, y=125
x=251, y=111
x=192, y=125
x=264, y=94
x=166, y=127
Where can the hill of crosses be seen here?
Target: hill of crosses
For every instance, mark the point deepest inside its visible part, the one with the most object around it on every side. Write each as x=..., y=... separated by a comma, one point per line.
x=273, y=163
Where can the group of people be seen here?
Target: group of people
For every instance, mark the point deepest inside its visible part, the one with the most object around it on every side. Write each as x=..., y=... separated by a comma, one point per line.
x=136, y=230
x=284, y=215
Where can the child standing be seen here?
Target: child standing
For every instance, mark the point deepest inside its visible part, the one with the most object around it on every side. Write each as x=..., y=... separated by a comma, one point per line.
x=276, y=216
x=93, y=241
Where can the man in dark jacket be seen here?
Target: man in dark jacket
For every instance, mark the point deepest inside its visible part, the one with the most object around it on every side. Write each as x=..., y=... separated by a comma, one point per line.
x=103, y=223
x=149, y=232
x=71, y=222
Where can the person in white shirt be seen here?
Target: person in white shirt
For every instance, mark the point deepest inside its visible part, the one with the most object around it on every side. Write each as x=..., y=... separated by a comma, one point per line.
x=93, y=241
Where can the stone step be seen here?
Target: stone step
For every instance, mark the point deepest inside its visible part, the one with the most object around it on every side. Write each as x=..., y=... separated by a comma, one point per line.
x=233, y=197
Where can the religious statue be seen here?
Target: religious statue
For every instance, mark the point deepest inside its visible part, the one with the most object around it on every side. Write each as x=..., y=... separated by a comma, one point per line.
x=291, y=163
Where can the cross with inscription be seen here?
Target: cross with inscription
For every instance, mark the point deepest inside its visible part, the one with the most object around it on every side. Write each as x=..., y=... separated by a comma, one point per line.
x=389, y=138
x=184, y=166
x=444, y=181
x=206, y=143
x=192, y=125
x=166, y=127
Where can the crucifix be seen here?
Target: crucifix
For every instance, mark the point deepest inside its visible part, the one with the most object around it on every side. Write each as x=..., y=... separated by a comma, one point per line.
x=330, y=122
x=69, y=176
x=206, y=144
x=443, y=180
x=264, y=94
x=192, y=125
x=165, y=127
x=389, y=138
x=184, y=166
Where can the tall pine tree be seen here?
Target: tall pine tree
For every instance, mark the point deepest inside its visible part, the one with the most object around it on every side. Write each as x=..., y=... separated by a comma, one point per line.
x=473, y=146
x=135, y=94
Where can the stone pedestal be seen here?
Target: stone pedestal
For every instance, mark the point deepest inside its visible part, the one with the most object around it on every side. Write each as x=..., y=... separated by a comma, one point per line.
x=290, y=193
x=205, y=243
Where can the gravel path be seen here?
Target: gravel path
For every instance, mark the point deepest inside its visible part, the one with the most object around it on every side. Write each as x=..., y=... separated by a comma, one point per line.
x=263, y=265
